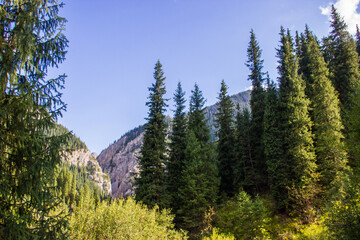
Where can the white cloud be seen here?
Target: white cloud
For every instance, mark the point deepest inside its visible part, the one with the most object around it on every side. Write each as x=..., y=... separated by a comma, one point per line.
x=347, y=9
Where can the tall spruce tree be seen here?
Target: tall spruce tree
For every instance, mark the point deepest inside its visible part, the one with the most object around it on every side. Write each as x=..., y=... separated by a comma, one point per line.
x=296, y=128
x=32, y=40
x=273, y=147
x=150, y=185
x=340, y=53
x=244, y=167
x=225, y=144
x=357, y=36
x=328, y=138
x=255, y=65
x=177, y=149
x=199, y=180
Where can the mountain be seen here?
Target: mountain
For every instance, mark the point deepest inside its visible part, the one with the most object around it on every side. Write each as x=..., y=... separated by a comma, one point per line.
x=77, y=154
x=119, y=160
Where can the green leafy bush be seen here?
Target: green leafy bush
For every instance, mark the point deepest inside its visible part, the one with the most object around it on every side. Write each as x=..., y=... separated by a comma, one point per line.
x=122, y=219
x=244, y=218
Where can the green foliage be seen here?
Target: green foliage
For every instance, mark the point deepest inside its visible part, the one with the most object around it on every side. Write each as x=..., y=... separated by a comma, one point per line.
x=225, y=148
x=244, y=168
x=73, y=143
x=296, y=127
x=31, y=42
x=216, y=235
x=175, y=164
x=244, y=218
x=122, y=219
x=151, y=182
x=255, y=65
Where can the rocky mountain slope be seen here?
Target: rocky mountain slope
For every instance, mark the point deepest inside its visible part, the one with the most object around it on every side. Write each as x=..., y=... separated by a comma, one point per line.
x=77, y=154
x=119, y=160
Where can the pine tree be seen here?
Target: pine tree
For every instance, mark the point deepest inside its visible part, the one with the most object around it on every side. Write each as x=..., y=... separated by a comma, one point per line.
x=177, y=148
x=255, y=65
x=244, y=167
x=225, y=144
x=328, y=138
x=150, y=185
x=273, y=147
x=31, y=42
x=340, y=54
x=357, y=35
x=199, y=180
x=296, y=128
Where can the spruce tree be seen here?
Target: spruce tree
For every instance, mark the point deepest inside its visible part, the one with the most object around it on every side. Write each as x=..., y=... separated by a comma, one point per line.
x=340, y=53
x=255, y=65
x=328, y=138
x=296, y=129
x=199, y=180
x=357, y=36
x=244, y=167
x=177, y=149
x=32, y=41
x=150, y=185
x=273, y=147
x=225, y=143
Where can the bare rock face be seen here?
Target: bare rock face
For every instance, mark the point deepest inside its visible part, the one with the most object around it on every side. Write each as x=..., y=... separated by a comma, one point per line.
x=83, y=158
x=119, y=160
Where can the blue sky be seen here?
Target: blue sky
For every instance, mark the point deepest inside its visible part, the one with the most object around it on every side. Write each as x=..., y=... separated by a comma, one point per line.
x=114, y=45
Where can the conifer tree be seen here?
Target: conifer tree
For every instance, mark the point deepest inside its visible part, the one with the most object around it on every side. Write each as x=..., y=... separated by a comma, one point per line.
x=273, y=147
x=244, y=167
x=150, y=185
x=296, y=128
x=226, y=139
x=255, y=65
x=357, y=36
x=177, y=148
x=32, y=41
x=199, y=180
x=328, y=138
x=340, y=54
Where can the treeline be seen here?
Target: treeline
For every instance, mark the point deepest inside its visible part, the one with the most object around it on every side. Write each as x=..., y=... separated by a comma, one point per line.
x=297, y=147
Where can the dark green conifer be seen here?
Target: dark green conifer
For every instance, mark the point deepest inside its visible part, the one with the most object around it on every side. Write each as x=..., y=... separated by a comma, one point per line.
x=177, y=149
x=150, y=185
x=357, y=36
x=328, y=138
x=244, y=167
x=255, y=65
x=340, y=53
x=273, y=147
x=226, y=140
x=296, y=129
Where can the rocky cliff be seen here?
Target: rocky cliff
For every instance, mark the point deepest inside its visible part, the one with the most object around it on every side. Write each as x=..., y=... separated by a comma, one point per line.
x=119, y=160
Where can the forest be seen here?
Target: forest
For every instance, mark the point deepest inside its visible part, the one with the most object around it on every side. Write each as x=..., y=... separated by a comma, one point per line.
x=288, y=168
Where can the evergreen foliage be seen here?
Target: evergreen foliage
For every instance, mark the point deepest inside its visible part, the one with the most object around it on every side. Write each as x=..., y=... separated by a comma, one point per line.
x=328, y=138
x=150, y=185
x=31, y=42
x=225, y=144
x=244, y=169
x=357, y=35
x=340, y=54
x=273, y=146
x=255, y=65
x=296, y=124
x=178, y=143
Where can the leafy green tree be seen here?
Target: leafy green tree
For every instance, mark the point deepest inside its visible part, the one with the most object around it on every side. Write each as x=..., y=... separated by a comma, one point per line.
x=328, y=138
x=255, y=65
x=299, y=155
x=244, y=167
x=31, y=42
x=225, y=145
x=177, y=148
x=273, y=147
x=150, y=185
x=340, y=53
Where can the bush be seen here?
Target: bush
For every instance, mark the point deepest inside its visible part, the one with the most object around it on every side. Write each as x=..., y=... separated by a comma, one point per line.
x=244, y=218
x=122, y=219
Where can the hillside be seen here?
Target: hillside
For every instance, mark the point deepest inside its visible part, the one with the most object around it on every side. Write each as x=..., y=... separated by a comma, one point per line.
x=119, y=160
